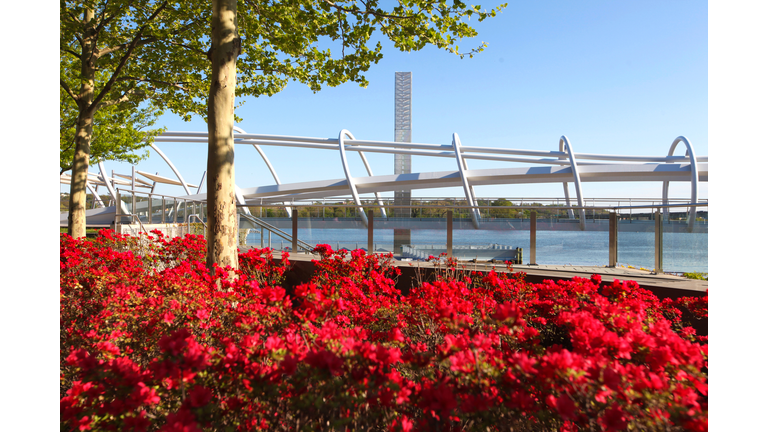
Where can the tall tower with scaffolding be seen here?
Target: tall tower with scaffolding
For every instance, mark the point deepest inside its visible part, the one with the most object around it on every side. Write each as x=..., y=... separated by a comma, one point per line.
x=402, y=162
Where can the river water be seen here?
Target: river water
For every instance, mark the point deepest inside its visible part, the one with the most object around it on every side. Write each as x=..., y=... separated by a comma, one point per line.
x=683, y=252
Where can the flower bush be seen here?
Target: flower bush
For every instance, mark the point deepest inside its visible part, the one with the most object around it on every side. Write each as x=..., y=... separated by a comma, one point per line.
x=151, y=340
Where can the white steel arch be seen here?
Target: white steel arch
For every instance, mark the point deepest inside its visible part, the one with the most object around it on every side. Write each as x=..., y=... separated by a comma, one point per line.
x=173, y=168
x=544, y=167
x=350, y=180
x=239, y=195
x=565, y=144
x=468, y=191
x=123, y=208
x=689, y=153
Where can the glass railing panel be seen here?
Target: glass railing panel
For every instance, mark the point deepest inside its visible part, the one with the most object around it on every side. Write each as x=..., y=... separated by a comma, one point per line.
x=561, y=241
x=496, y=239
x=142, y=207
x=175, y=212
x=684, y=251
x=339, y=232
x=157, y=210
x=127, y=203
x=636, y=241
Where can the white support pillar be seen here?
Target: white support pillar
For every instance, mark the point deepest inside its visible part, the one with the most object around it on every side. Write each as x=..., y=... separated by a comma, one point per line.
x=264, y=157
x=118, y=201
x=694, y=180
x=565, y=145
x=468, y=191
x=350, y=180
x=170, y=164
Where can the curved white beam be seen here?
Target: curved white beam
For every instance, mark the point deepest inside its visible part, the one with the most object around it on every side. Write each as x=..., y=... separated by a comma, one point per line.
x=350, y=180
x=370, y=174
x=123, y=208
x=175, y=171
x=694, y=180
x=468, y=192
x=565, y=145
x=241, y=200
x=96, y=197
x=480, y=177
x=269, y=166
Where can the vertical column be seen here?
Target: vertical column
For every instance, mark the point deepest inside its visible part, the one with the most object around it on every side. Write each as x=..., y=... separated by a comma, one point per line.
x=613, y=239
x=294, y=230
x=370, y=232
x=118, y=213
x=133, y=191
x=533, y=237
x=402, y=236
x=449, y=233
x=658, y=244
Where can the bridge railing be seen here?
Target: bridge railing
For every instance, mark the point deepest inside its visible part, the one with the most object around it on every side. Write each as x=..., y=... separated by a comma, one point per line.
x=629, y=232
x=641, y=236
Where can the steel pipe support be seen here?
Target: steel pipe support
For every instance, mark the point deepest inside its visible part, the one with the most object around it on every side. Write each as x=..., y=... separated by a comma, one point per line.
x=694, y=180
x=468, y=191
x=565, y=145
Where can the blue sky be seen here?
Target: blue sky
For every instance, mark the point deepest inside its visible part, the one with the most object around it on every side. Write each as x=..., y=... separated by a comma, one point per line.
x=614, y=77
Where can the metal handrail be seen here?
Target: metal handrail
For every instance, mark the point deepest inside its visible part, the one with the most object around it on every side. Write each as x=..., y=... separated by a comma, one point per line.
x=488, y=207
x=135, y=216
x=280, y=233
x=189, y=223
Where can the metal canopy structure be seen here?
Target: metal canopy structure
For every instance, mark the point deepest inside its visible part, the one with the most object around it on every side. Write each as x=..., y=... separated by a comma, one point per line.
x=562, y=166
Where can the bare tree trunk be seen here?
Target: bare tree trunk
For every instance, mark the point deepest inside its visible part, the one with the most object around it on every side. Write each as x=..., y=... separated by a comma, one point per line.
x=222, y=210
x=78, y=192
x=78, y=189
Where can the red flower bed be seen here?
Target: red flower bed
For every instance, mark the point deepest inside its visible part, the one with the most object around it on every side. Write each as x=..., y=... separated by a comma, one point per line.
x=151, y=341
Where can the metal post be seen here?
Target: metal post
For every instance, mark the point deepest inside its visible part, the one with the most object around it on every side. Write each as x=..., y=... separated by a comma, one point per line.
x=162, y=210
x=370, y=232
x=149, y=209
x=658, y=248
x=133, y=191
x=118, y=217
x=449, y=233
x=613, y=239
x=295, y=229
x=533, y=238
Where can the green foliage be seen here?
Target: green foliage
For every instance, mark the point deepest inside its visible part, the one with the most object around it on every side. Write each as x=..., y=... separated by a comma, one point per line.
x=119, y=132
x=696, y=275
x=124, y=62
x=156, y=50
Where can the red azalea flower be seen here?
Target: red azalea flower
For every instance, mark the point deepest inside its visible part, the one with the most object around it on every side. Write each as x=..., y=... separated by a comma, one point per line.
x=614, y=419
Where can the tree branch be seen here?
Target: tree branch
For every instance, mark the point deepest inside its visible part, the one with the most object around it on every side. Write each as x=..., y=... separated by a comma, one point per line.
x=165, y=83
x=124, y=45
x=69, y=51
x=124, y=60
x=69, y=91
x=195, y=50
x=367, y=11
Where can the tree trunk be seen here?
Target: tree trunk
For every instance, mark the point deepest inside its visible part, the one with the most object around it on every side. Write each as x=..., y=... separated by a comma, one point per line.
x=222, y=210
x=78, y=192
x=78, y=188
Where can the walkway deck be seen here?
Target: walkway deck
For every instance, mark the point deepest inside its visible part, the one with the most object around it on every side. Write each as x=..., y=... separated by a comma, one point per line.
x=661, y=284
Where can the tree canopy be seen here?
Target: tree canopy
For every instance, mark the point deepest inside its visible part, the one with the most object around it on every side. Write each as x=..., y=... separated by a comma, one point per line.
x=123, y=61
